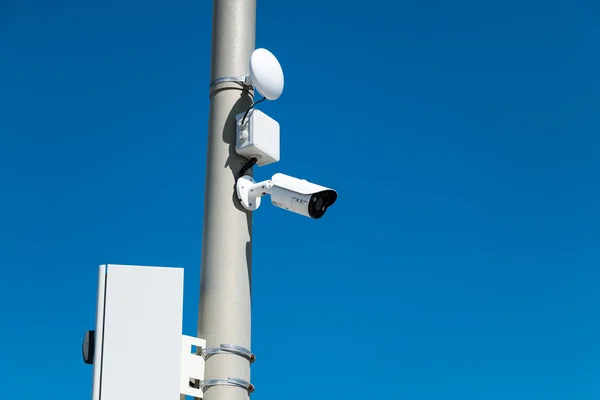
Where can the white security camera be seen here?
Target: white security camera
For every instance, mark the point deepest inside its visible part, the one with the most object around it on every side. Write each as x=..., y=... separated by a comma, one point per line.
x=287, y=192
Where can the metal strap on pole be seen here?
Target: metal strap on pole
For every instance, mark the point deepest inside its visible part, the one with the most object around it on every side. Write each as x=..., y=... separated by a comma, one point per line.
x=239, y=82
x=207, y=384
x=229, y=349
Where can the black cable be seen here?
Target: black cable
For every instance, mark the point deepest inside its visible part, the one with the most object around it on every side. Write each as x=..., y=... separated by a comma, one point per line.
x=247, y=166
x=251, y=107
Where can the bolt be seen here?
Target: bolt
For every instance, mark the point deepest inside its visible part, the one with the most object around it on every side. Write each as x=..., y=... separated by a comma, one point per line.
x=252, y=358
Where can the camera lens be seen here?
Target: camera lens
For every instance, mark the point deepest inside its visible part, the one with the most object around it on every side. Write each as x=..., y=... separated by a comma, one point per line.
x=319, y=202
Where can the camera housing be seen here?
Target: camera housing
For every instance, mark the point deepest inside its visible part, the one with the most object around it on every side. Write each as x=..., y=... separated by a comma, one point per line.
x=300, y=196
x=292, y=194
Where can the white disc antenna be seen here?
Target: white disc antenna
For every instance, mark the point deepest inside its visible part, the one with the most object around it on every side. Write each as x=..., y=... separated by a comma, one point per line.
x=266, y=74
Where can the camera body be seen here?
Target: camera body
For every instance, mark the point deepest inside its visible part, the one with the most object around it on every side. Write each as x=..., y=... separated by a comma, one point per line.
x=292, y=194
x=300, y=196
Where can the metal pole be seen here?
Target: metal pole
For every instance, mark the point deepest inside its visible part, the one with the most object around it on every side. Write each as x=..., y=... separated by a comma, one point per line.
x=225, y=283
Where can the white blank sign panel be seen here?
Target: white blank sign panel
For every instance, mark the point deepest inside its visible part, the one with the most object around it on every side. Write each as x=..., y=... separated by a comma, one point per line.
x=138, y=333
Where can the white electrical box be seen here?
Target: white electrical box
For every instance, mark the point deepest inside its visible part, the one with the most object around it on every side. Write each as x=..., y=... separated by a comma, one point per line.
x=257, y=136
x=137, y=344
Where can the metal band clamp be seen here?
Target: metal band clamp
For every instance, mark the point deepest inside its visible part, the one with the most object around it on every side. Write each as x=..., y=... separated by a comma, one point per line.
x=242, y=80
x=207, y=384
x=229, y=349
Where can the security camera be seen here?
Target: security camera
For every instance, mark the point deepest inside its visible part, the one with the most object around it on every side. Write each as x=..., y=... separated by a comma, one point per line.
x=287, y=192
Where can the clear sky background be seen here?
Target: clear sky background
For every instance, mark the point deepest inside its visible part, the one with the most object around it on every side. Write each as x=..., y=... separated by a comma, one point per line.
x=460, y=262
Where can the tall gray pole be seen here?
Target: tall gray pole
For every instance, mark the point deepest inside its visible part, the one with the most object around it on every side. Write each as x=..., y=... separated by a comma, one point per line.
x=225, y=283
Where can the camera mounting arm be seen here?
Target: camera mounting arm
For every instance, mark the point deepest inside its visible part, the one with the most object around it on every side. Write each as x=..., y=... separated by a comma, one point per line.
x=249, y=191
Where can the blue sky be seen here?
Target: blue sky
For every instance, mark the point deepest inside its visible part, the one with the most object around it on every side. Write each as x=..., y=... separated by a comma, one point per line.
x=460, y=262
